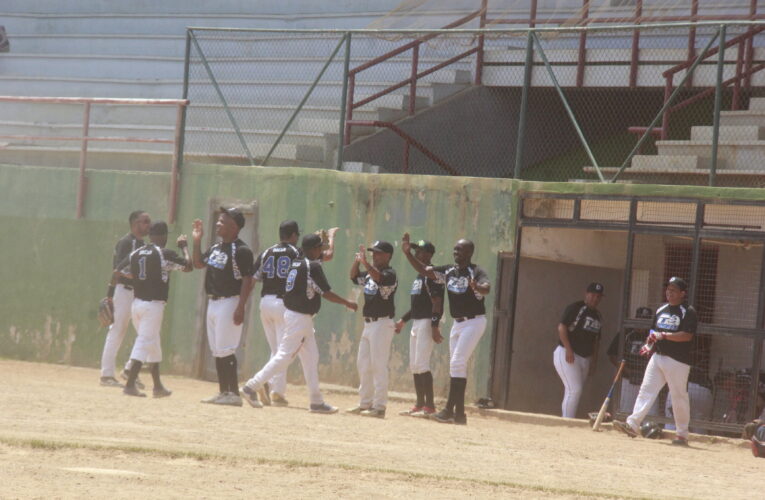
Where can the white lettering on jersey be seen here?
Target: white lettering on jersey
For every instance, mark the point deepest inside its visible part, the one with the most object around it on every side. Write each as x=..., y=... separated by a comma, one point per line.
x=416, y=287
x=669, y=322
x=217, y=259
x=591, y=325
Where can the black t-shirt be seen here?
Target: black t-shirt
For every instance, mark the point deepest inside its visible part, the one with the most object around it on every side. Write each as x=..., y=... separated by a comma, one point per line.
x=378, y=297
x=122, y=250
x=224, y=274
x=680, y=318
x=150, y=266
x=272, y=267
x=305, y=284
x=422, y=290
x=463, y=300
x=634, y=367
x=583, y=325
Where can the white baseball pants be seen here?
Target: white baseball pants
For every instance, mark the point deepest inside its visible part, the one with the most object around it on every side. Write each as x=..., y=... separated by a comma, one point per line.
x=701, y=402
x=420, y=346
x=372, y=363
x=147, y=319
x=573, y=376
x=463, y=340
x=223, y=335
x=628, y=396
x=664, y=370
x=299, y=339
x=122, y=301
x=272, y=316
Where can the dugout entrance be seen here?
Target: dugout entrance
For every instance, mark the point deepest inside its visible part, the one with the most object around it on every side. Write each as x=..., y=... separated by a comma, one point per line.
x=633, y=245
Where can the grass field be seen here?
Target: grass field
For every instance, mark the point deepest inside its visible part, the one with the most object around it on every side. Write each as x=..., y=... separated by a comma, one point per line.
x=64, y=436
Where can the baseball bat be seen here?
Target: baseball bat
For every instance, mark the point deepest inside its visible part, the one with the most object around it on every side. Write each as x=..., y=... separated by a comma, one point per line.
x=602, y=413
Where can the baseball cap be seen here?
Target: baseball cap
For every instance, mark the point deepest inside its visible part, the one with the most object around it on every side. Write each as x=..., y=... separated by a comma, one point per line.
x=381, y=246
x=643, y=313
x=425, y=245
x=235, y=214
x=288, y=228
x=596, y=288
x=678, y=282
x=311, y=241
x=159, y=228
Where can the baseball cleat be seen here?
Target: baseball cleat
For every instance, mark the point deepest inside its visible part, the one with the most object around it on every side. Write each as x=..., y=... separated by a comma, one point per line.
x=229, y=399
x=251, y=397
x=323, y=408
x=212, y=399
x=625, y=428
x=373, y=412
x=680, y=441
x=444, y=416
x=161, y=392
x=356, y=410
x=263, y=395
x=132, y=391
x=278, y=400
x=110, y=382
x=124, y=376
x=411, y=411
x=425, y=412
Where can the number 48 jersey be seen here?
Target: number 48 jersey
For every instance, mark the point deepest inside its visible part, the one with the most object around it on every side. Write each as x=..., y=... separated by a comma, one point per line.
x=272, y=267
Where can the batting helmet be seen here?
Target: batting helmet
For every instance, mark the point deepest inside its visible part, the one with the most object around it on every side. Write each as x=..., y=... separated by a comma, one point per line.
x=651, y=430
x=758, y=442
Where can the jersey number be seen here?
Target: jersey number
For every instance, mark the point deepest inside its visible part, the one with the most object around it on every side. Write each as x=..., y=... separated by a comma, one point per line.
x=142, y=268
x=282, y=266
x=291, y=280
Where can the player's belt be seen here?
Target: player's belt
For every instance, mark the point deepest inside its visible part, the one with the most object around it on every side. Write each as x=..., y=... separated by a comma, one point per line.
x=372, y=319
x=126, y=287
x=464, y=318
x=277, y=295
x=219, y=297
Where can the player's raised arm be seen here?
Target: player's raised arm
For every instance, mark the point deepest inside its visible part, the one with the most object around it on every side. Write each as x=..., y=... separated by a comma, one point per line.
x=327, y=254
x=374, y=273
x=333, y=297
x=356, y=263
x=418, y=266
x=196, y=234
x=183, y=244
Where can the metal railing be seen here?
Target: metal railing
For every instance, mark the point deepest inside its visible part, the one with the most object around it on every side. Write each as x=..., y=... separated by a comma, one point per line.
x=84, y=138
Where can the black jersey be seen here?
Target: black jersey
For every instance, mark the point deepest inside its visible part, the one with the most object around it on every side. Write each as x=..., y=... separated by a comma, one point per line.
x=680, y=318
x=634, y=340
x=305, y=284
x=150, y=266
x=463, y=300
x=583, y=324
x=224, y=273
x=122, y=250
x=422, y=290
x=378, y=297
x=272, y=267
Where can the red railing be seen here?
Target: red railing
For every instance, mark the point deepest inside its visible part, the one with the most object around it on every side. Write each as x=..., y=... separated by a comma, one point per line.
x=84, y=138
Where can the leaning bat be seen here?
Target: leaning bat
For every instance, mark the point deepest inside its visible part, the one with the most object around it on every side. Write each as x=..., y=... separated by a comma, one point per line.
x=602, y=413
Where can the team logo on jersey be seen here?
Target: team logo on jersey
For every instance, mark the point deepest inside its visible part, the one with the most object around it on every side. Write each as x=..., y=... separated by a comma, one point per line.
x=670, y=322
x=633, y=348
x=217, y=259
x=457, y=284
x=370, y=287
x=416, y=287
x=591, y=325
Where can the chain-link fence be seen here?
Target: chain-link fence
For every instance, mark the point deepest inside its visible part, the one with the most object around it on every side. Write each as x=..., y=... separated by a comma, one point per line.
x=642, y=104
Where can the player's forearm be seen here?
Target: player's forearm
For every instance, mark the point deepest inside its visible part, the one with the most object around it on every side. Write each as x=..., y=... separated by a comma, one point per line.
x=374, y=273
x=419, y=266
x=333, y=297
x=407, y=316
x=198, y=255
x=244, y=293
x=355, y=270
x=189, y=265
x=483, y=288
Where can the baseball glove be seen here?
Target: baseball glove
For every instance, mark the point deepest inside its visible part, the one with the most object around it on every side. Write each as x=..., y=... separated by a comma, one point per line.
x=105, y=312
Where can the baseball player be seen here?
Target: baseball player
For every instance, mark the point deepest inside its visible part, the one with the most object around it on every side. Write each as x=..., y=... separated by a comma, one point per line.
x=120, y=292
x=467, y=285
x=228, y=282
x=379, y=282
x=427, y=299
x=271, y=268
x=305, y=285
x=635, y=363
x=577, y=353
x=149, y=267
x=669, y=346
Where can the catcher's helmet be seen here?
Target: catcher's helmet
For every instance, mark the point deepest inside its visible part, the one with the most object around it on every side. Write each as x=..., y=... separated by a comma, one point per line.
x=758, y=442
x=651, y=430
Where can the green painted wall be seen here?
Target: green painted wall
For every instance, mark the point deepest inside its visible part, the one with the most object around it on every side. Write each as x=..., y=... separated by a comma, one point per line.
x=55, y=267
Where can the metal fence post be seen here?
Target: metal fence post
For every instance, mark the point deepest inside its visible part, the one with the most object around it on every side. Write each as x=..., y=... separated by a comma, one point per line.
x=83, y=182
x=186, y=64
x=718, y=102
x=524, y=104
x=344, y=102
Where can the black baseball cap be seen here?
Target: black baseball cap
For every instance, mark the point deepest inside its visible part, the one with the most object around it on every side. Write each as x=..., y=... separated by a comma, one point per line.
x=235, y=214
x=381, y=246
x=287, y=228
x=678, y=282
x=643, y=313
x=596, y=288
x=311, y=241
x=159, y=228
x=425, y=245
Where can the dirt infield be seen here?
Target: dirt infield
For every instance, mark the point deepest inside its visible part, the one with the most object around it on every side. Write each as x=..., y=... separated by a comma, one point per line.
x=62, y=435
